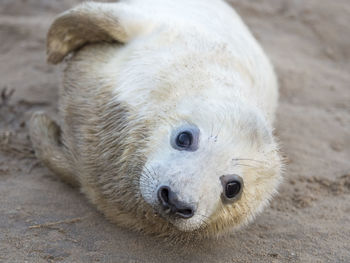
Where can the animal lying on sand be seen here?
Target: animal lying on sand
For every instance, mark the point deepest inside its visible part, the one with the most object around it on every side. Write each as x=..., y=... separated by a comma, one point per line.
x=166, y=115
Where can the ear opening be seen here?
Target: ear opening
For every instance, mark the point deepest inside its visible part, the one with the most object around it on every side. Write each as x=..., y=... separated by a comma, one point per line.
x=90, y=23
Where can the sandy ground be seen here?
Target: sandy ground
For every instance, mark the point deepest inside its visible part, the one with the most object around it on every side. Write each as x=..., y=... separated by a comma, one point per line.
x=309, y=43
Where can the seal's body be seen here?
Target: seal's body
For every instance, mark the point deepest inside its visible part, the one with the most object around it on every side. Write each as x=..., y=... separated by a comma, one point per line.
x=166, y=115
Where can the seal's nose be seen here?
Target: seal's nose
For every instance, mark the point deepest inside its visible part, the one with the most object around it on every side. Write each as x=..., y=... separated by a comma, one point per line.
x=171, y=204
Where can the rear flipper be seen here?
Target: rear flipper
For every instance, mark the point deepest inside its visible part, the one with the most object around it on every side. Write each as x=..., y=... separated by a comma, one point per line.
x=45, y=137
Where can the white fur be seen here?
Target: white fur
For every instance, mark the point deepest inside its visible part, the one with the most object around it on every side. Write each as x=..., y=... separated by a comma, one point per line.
x=199, y=65
x=185, y=27
x=179, y=62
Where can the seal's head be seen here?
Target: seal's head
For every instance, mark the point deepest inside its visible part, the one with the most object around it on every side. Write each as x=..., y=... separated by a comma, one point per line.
x=210, y=168
x=166, y=131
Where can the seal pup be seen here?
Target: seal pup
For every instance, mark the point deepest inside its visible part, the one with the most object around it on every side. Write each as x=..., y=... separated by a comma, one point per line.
x=165, y=115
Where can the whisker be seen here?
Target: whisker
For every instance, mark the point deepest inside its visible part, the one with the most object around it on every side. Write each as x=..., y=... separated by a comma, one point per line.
x=247, y=159
x=253, y=163
x=204, y=220
x=150, y=175
x=247, y=165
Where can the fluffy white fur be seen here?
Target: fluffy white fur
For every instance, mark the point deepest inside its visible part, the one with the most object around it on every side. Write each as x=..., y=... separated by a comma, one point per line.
x=177, y=62
x=196, y=65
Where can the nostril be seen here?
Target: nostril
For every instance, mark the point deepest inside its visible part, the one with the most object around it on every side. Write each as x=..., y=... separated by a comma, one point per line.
x=163, y=195
x=185, y=213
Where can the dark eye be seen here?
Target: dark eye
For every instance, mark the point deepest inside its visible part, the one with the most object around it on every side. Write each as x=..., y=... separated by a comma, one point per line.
x=184, y=139
x=232, y=186
x=232, y=189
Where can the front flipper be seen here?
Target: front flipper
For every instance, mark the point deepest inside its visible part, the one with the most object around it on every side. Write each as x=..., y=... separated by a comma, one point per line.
x=45, y=137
